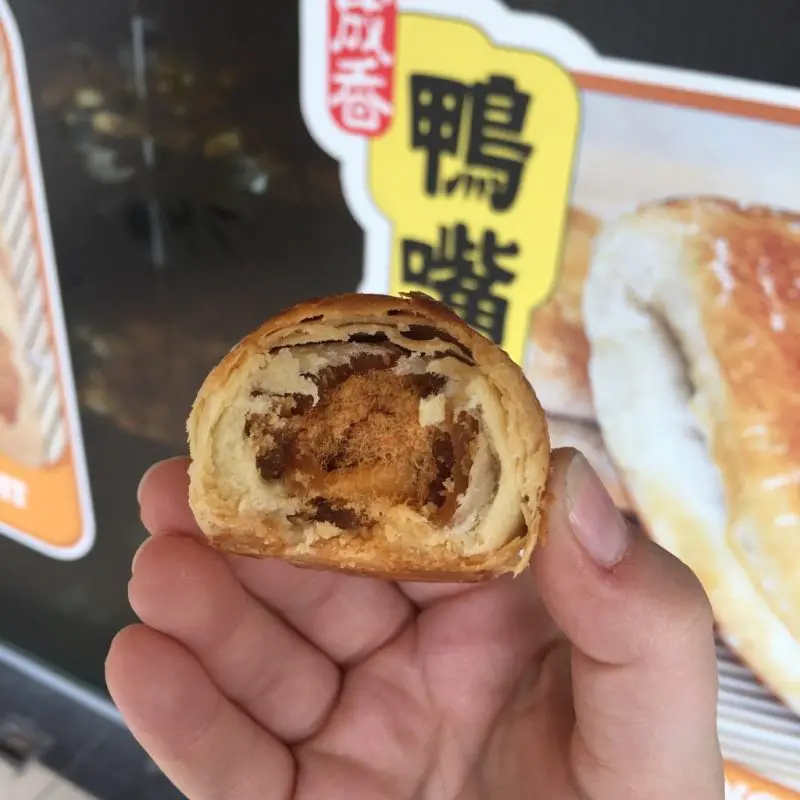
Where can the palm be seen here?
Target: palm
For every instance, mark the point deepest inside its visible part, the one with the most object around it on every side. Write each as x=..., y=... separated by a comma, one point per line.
x=454, y=706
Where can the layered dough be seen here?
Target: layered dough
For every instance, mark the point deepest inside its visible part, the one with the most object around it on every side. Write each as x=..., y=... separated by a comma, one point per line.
x=371, y=434
x=557, y=360
x=692, y=309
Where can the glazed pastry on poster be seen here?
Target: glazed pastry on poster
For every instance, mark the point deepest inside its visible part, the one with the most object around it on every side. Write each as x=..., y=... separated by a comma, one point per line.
x=558, y=353
x=586, y=437
x=371, y=434
x=32, y=431
x=692, y=309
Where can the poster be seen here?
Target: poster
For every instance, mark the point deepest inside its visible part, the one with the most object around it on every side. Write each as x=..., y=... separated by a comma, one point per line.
x=44, y=493
x=630, y=234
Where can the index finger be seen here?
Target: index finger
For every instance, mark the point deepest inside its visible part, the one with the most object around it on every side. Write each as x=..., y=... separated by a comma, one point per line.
x=163, y=496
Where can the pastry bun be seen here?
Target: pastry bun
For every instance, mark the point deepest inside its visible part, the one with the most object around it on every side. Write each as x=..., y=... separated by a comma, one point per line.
x=557, y=356
x=692, y=309
x=371, y=434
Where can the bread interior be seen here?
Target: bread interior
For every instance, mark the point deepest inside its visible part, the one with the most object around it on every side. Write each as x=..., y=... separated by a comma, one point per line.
x=653, y=375
x=367, y=436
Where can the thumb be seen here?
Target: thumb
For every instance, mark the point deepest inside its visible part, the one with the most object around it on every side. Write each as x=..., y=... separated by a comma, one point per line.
x=643, y=659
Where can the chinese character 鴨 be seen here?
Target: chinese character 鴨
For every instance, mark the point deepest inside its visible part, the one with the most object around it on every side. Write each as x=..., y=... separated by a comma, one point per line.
x=481, y=123
x=464, y=273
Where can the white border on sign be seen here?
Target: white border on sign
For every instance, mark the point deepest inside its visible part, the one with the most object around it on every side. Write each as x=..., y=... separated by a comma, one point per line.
x=524, y=30
x=58, y=323
x=350, y=151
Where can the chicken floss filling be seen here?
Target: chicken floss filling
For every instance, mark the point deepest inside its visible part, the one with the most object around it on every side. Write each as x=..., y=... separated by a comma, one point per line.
x=380, y=431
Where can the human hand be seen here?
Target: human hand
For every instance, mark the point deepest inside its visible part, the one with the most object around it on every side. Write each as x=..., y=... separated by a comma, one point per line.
x=590, y=677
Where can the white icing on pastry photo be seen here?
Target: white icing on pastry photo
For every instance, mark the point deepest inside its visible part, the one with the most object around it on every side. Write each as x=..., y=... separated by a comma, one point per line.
x=557, y=357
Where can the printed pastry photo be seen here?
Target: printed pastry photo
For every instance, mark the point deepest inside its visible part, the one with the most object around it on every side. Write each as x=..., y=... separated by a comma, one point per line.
x=32, y=429
x=586, y=437
x=557, y=357
x=692, y=309
x=371, y=434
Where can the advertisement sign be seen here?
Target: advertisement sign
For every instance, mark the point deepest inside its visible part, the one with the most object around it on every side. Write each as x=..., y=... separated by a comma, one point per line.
x=630, y=234
x=44, y=495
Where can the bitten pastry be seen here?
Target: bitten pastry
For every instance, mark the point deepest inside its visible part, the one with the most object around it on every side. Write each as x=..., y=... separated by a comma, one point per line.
x=558, y=353
x=692, y=309
x=374, y=435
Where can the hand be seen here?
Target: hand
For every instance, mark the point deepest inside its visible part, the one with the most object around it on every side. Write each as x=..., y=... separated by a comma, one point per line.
x=591, y=676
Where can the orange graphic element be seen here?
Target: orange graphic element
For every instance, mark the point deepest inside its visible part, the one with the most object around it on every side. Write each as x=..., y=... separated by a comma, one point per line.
x=52, y=511
x=741, y=784
x=689, y=98
x=44, y=499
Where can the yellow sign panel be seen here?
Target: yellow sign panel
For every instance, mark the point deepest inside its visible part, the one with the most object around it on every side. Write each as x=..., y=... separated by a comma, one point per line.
x=475, y=172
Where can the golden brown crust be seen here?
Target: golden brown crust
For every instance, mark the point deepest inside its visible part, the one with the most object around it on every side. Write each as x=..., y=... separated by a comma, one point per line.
x=338, y=319
x=750, y=303
x=379, y=561
x=711, y=290
x=558, y=355
x=749, y=294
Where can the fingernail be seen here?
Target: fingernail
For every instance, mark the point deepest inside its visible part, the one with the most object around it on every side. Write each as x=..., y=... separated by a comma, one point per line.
x=595, y=520
x=136, y=555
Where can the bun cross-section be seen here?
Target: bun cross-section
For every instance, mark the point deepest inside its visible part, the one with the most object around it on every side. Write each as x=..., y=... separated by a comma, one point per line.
x=371, y=434
x=693, y=313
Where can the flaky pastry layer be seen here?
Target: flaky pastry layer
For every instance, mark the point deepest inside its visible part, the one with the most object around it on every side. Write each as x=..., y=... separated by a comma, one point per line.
x=558, y=352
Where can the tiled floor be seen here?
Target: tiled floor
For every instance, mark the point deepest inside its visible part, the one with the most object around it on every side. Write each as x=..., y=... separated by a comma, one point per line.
x=36, y=782
x=78, y=753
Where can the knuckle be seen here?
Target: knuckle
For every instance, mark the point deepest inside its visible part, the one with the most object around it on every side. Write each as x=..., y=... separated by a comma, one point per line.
x=690, y=614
